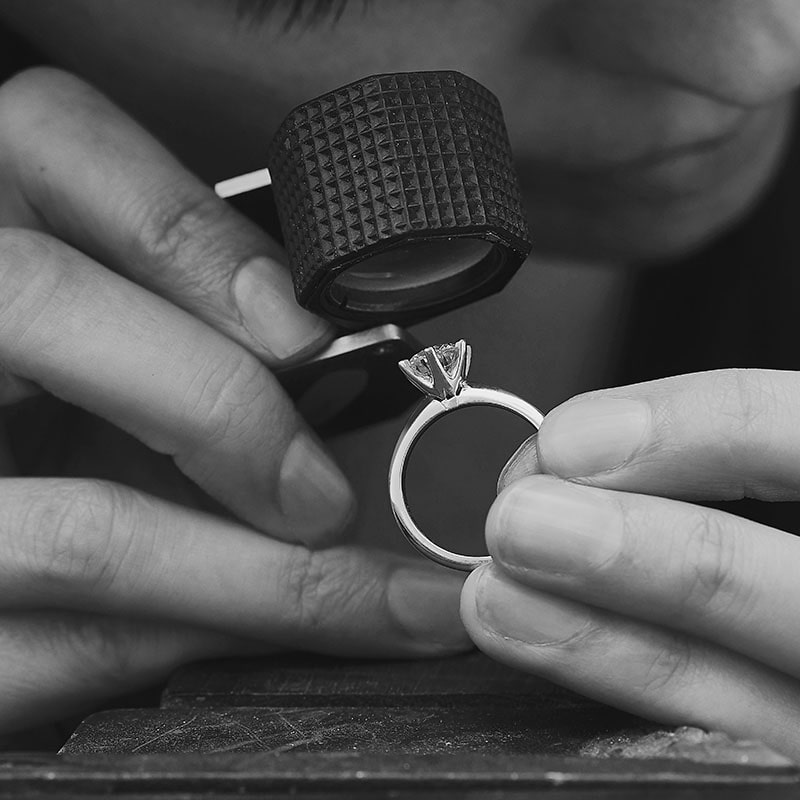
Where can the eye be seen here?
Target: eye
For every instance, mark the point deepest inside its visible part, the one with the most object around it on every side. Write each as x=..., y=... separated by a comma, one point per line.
x=304, y=13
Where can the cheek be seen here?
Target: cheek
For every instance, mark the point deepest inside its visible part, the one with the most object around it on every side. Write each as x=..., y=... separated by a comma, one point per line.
x=661, y=207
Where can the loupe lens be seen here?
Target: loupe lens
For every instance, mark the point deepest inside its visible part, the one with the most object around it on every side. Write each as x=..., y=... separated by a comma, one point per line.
x=414, y=266
x=415, y=275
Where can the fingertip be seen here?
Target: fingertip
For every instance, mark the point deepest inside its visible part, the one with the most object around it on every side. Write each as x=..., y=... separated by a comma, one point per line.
x=468, y=608
x=333, y=533
x=284, y=331
x=593, y=434
x=316, y=499
x=525, y=461
x=424, y=603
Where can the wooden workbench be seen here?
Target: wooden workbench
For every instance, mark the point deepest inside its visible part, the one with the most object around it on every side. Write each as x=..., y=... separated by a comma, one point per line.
x=304, y=726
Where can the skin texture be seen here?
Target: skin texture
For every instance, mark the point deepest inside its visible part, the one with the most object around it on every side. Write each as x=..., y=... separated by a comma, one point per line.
x=193, y=506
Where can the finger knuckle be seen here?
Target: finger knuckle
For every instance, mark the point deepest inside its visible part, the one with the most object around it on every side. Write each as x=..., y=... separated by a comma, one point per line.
x=174, y=225
x=666, y=670
x=322, y=585
x=746, y=407
x=709, y=558
x=74, y=535
x=30, y=276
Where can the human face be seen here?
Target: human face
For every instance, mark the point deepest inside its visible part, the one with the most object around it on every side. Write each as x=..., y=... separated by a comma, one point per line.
x=622, y=153
x=637, y=134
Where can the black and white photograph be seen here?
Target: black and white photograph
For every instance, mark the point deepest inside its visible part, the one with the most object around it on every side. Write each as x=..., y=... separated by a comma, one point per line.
x=400, y=399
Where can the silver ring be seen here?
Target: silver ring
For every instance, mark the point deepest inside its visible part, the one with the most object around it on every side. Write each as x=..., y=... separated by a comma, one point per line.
x=440, y=373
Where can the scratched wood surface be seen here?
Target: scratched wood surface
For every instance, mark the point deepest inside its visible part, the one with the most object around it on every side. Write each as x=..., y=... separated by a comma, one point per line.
x=293, y=703
x=302, y=726
x=405, y=731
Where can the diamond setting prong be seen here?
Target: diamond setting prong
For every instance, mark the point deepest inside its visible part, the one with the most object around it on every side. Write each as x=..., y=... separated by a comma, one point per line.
x=439, y=371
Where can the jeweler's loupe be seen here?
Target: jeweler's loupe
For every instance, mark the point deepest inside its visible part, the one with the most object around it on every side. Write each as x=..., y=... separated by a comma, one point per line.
x=397, y=200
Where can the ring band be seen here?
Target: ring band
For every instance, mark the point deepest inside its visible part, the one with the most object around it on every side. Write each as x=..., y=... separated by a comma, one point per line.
x=440, y=373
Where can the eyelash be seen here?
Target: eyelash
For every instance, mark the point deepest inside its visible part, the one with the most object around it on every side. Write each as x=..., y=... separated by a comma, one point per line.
x=300, y=12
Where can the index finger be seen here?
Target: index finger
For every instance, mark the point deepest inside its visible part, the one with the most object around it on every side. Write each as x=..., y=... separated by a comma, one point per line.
x=84, y=171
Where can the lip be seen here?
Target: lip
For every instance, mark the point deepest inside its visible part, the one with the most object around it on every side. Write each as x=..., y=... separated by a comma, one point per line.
x=663, y=207
x=665, y=174
x=653, y=158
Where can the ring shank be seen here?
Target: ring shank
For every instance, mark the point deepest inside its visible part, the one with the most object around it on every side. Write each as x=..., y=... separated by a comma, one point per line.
x=428, y=412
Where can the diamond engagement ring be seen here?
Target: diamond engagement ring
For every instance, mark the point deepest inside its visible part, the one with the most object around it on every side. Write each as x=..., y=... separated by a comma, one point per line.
x=440, y=373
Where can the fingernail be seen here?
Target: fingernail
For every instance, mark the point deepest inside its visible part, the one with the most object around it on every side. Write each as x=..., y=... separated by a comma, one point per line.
x=425, y=604
x=315, y=497
x=262, y=290
x=595, y=435
x=516, y=612
x=525, y=461
x=542, y=523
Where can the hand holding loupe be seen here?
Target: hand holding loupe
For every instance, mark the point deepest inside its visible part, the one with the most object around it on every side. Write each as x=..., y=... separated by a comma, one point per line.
x=397, y=200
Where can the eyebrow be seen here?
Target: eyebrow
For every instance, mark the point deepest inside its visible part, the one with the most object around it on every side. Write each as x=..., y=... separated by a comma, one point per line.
x=306, y=12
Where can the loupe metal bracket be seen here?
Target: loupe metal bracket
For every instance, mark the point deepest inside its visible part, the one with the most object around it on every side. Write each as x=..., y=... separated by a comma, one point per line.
x=353, y=382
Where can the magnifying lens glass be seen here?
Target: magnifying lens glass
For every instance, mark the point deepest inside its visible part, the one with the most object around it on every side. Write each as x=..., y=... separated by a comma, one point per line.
x=397, y=200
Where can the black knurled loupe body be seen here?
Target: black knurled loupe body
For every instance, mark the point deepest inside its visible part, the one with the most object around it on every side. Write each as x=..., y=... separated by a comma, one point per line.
x=398, y=198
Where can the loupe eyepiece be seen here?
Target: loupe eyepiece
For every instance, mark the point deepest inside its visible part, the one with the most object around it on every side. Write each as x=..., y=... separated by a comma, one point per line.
x=397, y=198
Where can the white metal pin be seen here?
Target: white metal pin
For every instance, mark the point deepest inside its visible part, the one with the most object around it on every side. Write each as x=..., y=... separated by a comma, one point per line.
x=230, y=187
